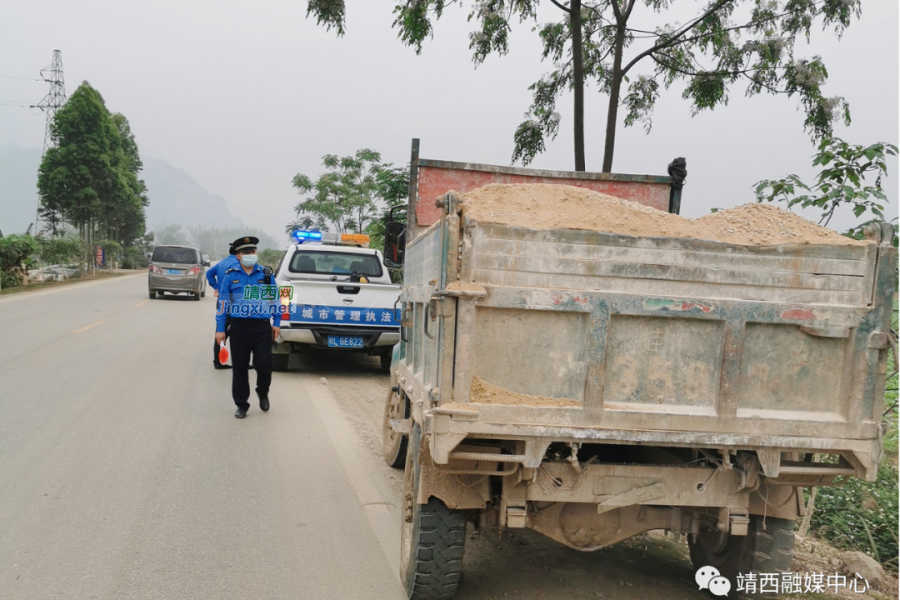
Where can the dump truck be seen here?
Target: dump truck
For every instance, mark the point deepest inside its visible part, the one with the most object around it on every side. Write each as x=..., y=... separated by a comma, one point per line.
x=594, y=386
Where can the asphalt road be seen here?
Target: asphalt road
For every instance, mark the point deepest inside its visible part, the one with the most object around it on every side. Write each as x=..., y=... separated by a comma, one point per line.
x=123, y=473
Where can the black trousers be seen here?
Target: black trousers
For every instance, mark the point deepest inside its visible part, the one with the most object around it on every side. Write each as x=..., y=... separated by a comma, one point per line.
x=250, y=336
x=216, y=344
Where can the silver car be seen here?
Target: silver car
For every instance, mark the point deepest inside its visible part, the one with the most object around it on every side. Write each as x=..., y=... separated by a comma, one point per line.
x=177, y=270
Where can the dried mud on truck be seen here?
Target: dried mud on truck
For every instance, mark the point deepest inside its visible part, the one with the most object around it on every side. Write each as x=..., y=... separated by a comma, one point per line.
x=593, y=369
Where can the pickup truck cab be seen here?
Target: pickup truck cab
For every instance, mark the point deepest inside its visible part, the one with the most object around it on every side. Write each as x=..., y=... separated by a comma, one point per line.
x=341, y=298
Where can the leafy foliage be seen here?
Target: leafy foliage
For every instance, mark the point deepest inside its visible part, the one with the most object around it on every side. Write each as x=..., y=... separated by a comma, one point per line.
x=15, y=253
x=270, y=257
x=727, y=43
x=847, y=515
x=347, y=196
x=842, y=181
x=90, y=177
x=59, y=249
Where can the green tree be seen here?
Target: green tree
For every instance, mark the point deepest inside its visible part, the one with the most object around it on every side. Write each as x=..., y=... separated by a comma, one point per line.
x=841, y=182
x=59, y=249
x=727, y=42
x=15, y=254
x=90, y=177
x=392, y=186
x=344, y=197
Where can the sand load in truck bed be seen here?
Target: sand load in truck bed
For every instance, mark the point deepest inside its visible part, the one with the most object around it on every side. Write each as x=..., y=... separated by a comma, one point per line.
x=544, y=206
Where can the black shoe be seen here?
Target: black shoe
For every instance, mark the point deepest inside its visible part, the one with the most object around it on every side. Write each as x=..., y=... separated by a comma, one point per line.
x=263, y=402
x=218, y=366
x=241, y=413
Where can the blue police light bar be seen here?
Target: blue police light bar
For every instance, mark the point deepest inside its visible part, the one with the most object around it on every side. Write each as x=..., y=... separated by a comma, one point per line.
x=305, y=236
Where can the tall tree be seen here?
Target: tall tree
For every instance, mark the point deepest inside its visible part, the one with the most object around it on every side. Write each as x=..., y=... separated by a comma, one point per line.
x=726, y=43
x=90, y=178
x=345, y=195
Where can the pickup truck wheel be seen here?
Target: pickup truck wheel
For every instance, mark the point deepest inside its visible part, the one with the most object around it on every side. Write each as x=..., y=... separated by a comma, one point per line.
x=394, y=444
x=280, y=362
x=432, y=538
x=768, y=547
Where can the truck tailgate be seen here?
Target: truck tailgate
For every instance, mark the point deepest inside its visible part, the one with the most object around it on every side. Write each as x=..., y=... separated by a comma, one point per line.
x=588, y=335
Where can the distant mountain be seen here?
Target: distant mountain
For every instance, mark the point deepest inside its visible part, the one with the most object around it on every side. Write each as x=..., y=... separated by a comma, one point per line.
x=175, y=197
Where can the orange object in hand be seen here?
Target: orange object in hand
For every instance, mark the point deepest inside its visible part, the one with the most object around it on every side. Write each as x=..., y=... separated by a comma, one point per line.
x=223, y=353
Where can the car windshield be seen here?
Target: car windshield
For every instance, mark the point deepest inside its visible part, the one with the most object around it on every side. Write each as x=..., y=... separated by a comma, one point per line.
x=334, y=263
x=174, y=254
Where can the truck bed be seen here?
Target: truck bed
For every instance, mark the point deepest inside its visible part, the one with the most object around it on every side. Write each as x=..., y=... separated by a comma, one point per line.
x=583, y=335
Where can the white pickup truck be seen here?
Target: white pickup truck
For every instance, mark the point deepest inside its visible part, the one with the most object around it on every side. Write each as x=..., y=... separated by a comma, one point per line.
x=342, y=301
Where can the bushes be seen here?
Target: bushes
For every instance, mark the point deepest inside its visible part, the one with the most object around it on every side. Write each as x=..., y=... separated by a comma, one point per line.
x=60, y=250
x=270, y=257
x=861, y=516
x=15, y=253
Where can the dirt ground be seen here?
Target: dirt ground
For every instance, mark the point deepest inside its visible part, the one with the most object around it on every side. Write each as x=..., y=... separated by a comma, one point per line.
x=522, y=563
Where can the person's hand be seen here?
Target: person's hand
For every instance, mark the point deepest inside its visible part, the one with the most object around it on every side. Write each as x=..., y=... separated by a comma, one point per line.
x=216, y=293
x=275, y=332
x=220, y=336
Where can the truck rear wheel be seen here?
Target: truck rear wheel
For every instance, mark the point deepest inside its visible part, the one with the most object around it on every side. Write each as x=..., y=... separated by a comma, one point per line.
x=768, y=547
x=386, y=362
x=394, y=443
x=432, y=538
x=280, y=362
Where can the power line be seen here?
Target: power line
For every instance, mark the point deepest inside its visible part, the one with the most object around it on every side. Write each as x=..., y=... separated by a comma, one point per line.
x=25, y=78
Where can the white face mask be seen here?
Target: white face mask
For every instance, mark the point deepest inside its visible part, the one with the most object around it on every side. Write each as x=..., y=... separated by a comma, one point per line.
x=248, y=260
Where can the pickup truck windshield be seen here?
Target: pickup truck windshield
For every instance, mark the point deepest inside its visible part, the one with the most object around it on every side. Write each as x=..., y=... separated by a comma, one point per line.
x=174, y=254
x=334, y=263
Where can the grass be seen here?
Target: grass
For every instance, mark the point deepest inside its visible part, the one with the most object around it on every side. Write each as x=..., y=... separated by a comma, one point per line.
x=864, y=516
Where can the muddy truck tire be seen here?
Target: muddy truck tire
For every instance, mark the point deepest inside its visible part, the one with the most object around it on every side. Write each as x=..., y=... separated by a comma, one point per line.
x=394, y=444
x=432, y=538
x=768, y=547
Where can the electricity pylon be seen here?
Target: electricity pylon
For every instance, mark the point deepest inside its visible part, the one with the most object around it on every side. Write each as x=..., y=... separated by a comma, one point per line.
x=53, y=101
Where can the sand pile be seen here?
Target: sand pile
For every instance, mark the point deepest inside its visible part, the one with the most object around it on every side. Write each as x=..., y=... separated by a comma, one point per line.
x=545, y=206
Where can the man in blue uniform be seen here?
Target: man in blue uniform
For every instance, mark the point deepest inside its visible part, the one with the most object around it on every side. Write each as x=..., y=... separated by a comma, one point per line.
x=250, y=297
x=213, y=276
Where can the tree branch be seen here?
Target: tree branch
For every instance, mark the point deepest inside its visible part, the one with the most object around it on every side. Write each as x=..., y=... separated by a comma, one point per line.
x=628, y=10
x=562, y=7
x=674, y=39
x=616, y=10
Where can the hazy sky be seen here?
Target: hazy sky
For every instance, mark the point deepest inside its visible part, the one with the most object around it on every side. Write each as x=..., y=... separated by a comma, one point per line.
x=245, y=95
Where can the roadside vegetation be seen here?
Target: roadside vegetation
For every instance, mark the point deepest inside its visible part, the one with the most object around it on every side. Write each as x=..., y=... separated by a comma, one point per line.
x=864, y=516
x=92, y=199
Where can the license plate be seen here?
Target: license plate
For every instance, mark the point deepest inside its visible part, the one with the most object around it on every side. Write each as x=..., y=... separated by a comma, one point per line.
x=339, y=341
x=173, y=271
